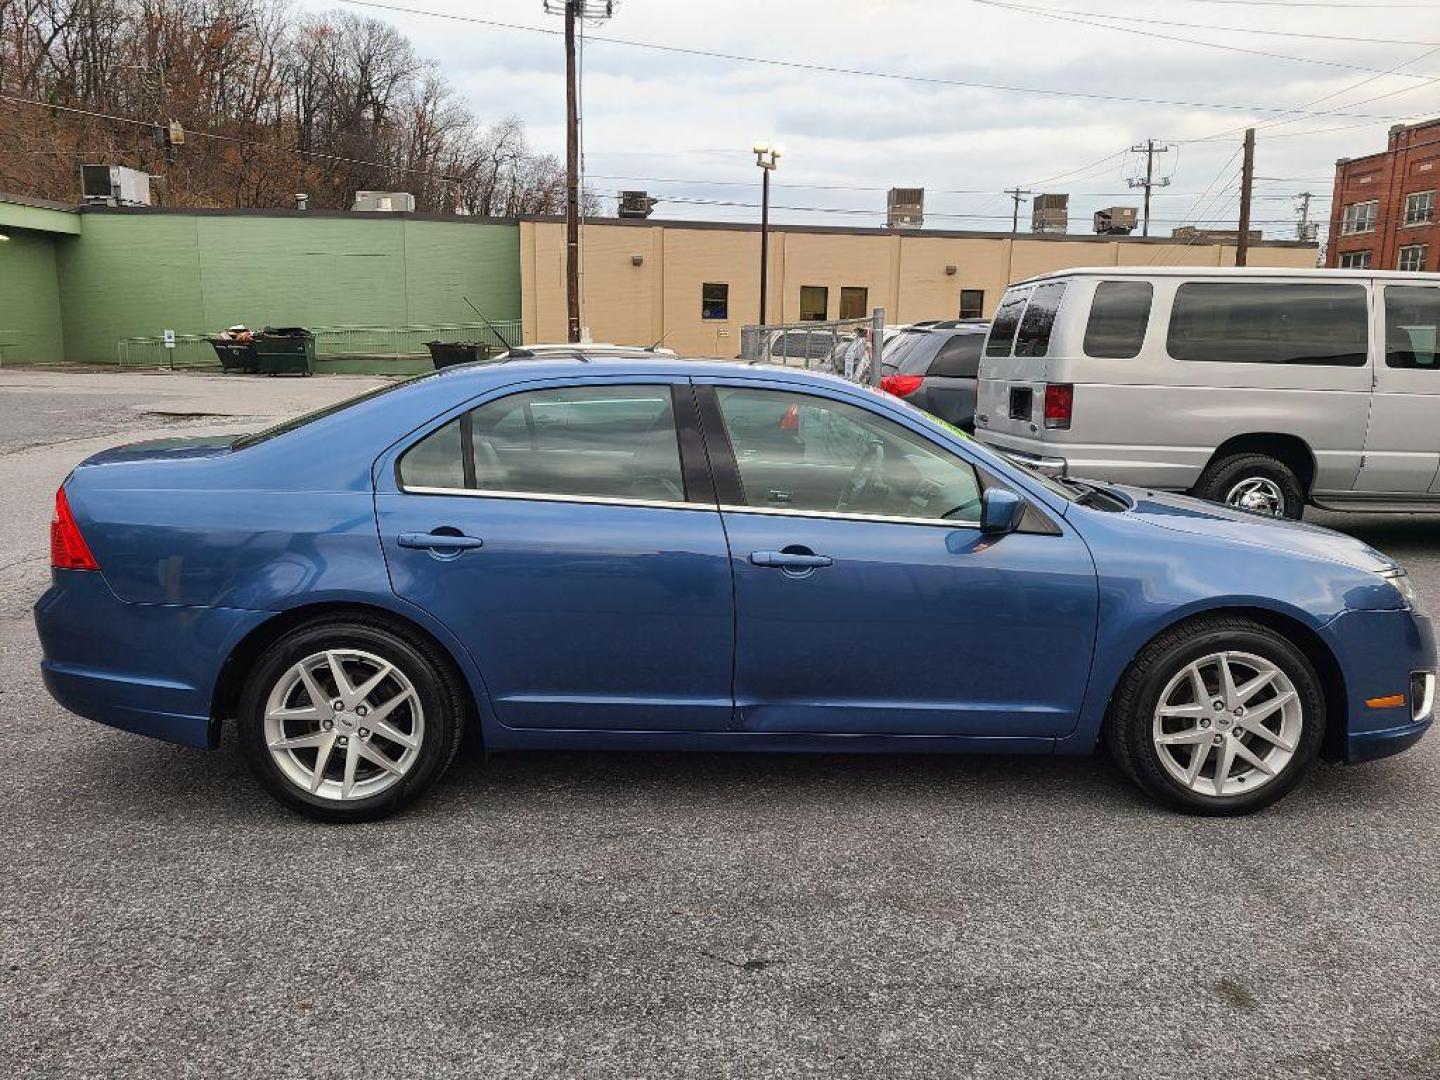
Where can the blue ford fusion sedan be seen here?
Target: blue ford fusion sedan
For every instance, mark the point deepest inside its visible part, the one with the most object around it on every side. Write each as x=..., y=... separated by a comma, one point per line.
x=637, y=552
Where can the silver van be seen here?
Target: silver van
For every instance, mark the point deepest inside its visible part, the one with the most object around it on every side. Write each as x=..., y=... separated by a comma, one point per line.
x=1262, y=388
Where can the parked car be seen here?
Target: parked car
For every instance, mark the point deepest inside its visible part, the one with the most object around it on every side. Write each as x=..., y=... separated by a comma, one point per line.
x=1262, y=388
x=621, y=553
x=936, y=370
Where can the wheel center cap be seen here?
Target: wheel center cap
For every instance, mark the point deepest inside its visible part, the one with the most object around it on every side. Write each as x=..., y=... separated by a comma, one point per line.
x=347, y=721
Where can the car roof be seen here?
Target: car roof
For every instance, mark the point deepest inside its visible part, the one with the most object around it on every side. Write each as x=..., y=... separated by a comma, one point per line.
x=1310, y=272
x=620, y=363
x=579, y=350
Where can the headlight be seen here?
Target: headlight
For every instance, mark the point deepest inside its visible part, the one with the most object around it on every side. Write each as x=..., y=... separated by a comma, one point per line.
x=1403, y=584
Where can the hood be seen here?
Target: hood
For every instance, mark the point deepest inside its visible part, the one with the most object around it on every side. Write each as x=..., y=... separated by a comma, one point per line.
x=174, y=449
x=1180, y=513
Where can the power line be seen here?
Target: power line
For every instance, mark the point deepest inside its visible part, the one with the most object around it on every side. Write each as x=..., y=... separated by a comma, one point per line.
x=829, y=69
x=1348, y=39
x=1087, y=20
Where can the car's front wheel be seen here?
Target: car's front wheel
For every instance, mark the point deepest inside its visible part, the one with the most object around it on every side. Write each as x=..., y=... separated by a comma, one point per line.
x=1218, y=716
x=348, y=720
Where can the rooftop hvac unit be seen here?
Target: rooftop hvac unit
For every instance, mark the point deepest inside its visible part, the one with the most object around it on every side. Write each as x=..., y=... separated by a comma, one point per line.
x=905, y=208
x=384, y=202
x=114, y=185
x=636, y=204
x=1116, y=220
x=1050, y=214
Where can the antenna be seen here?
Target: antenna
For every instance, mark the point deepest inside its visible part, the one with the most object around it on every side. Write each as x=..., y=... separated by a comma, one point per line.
x=488, y=323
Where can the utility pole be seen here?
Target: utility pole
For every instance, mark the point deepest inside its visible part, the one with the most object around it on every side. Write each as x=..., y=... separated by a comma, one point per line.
x=1304, y=231
x=767, y=157
x=1016, y=194
x=1247, y=182
x=1149, y=149
x=573, y=11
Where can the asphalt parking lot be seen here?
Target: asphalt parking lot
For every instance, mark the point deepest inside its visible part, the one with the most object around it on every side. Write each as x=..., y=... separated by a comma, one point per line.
x=592, y=915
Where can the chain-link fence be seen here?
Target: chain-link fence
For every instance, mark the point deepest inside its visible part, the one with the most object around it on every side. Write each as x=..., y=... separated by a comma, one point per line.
x=378, y=342
x=839, y=346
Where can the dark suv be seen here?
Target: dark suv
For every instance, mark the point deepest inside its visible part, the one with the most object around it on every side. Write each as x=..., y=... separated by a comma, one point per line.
x=935, y=369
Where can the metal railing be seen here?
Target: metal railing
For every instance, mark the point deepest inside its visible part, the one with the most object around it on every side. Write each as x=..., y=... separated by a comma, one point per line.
x=195, y=351
x=818, y=346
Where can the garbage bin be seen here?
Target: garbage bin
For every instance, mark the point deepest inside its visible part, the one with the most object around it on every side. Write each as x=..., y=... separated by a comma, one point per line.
x=285, y=349
x=447, y=353
x=234, y=355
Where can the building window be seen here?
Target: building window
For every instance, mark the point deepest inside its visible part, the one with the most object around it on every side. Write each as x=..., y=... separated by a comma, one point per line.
x=814, y=303
x=1420, y=208
x=1412, y=257
x=714, y=300
x=1355, y=260
x=853, y=300
x=972, y=303
x=1359, y=217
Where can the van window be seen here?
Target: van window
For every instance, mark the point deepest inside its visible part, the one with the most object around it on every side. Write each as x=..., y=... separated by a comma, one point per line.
x=1033, y=338
x=1412, y=321
x=1118, y=317
x=1269, y=323
x=1007, y=320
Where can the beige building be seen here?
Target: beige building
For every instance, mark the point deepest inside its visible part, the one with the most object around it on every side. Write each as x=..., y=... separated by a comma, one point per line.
x=695, y=284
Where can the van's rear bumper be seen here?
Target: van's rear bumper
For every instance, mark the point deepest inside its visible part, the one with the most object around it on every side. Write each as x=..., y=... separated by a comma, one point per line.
x=146, y=668
x=1160, y=468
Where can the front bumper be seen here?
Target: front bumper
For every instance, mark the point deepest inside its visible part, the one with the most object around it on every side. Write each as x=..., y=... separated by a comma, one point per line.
x=146, y=668
x=1378, y=652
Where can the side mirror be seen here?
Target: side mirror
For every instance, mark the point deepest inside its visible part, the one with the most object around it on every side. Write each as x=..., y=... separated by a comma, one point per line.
x=1000, y=512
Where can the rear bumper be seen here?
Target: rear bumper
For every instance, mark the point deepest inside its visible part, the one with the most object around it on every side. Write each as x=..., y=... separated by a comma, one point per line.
x=146, y=668
x=1163, y=468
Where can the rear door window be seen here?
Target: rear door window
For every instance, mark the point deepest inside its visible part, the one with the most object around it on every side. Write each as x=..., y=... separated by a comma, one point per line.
x=1270, y=323
x=612, y=442
x=1007, y=321
x=1412, y=322
x=1118, y=317
x=1033, y=337
x=958, y=358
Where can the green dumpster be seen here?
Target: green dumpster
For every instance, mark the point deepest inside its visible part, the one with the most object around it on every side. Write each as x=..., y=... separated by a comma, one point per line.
x=448, y=353
x=234, y=355
x=281, y=350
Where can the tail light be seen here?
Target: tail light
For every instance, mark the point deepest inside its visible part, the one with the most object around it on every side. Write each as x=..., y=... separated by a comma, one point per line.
x=1059, y=404
x=901, y=385
x=68, y=550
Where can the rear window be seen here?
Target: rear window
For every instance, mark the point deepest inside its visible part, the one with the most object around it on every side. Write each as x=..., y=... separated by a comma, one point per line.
x=1270, y=323
x=293, y=424
x=901, y=350
x=1118, y=317
x=958, y=358
x=1033, y=337
x=1007, y=321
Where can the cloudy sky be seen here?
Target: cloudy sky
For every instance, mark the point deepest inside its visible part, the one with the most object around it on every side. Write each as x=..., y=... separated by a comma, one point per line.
x=680, y=124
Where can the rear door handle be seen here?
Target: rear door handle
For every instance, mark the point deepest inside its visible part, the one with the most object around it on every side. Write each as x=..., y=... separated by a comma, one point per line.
x=790, y=560
x=437, y=541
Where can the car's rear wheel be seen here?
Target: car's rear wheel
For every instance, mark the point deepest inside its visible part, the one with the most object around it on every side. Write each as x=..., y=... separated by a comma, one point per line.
x=349, y=720
x=1218, y=716
x=1255, y=482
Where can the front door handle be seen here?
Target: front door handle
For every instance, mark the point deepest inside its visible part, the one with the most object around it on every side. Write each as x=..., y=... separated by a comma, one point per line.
x=790, y=560
x=439, y=541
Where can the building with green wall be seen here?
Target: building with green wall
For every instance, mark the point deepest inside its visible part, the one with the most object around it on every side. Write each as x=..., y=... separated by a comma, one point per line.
x=75, y=281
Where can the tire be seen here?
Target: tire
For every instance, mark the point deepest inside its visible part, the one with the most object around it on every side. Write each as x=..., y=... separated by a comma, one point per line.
x=1134, y=729
x=1254, y=477
x=416, y=708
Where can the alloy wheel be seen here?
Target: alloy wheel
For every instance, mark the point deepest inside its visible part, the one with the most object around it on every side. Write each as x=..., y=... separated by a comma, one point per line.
x=1227, y=724
x=1258, y=494
x=344, y=724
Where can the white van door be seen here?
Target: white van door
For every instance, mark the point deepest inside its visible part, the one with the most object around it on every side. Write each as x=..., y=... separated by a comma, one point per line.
x=1014, y=367
x=1402, y=442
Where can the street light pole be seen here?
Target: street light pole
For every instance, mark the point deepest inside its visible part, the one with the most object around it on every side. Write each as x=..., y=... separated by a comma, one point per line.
x=767, y=157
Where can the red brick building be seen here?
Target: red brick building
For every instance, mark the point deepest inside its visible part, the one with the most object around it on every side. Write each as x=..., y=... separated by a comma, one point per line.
x=1384, y=214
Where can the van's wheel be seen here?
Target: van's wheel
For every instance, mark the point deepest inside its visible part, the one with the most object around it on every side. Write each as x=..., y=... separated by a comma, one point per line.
x=1255, y=482
x=1217, y=716
x=347, y=720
